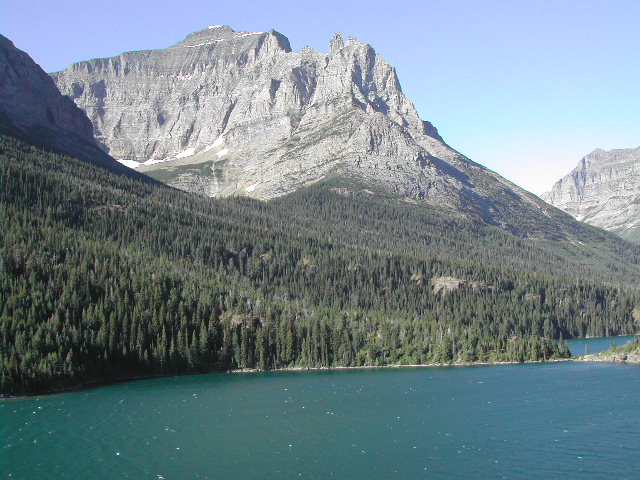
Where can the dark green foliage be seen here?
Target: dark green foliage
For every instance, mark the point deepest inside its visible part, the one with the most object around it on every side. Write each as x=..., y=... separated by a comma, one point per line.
x=103, y=277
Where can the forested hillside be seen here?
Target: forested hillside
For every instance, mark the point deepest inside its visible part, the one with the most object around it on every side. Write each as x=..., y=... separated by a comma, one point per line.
x=104, y=277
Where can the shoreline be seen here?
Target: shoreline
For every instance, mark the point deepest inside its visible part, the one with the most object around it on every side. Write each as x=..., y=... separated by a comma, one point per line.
x=288, y=369
x=417, y=365
x=628, y=353
x=620, y=358
x=631, y=358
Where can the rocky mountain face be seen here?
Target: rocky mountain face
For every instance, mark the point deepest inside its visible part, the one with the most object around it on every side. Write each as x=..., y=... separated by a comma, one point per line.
x=29, y=98
x=603, y=190
x=239, y=113
x=31, y=107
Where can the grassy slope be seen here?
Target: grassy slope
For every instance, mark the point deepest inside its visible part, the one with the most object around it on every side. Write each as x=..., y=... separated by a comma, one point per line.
x=630, y=234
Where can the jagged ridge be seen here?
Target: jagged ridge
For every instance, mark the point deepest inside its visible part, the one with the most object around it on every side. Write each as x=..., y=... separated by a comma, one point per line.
x=226, y=113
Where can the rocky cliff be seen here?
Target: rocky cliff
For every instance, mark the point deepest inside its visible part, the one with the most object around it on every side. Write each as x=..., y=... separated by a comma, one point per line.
x=603, y=190
x=32, y=108
x=226, y=113
x=29, y=97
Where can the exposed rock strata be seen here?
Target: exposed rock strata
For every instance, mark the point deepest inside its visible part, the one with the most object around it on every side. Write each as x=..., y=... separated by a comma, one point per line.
x=603, y=190
x=29, y=97
x=31, y=107
x=228, y=113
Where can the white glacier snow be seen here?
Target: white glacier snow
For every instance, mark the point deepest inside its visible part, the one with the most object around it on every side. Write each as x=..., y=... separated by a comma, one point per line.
x=218, y=141
x=215, y=40
x=187, y=153
x=199, y=44
x=152, y=161
x=222, y=152
x=130, y=163
x=251, y=188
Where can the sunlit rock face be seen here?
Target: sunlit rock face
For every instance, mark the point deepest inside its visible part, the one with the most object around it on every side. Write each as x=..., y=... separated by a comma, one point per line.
x=239, y=113
x=603, y=190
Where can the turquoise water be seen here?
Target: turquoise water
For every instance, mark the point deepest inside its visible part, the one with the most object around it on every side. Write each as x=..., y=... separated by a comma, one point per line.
x=595, y=345
x=563, y=420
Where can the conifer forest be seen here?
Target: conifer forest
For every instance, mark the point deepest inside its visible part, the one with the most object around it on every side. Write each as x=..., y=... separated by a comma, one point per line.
x=104, y=277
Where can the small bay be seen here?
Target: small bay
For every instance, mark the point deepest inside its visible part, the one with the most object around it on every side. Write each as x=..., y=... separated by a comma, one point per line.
x=582, y=346
x=557, y=420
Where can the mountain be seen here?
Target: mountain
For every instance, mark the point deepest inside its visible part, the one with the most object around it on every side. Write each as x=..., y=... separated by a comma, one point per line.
x=239, y=113
x=32, y=108
x=106, y=277
x=603, y=190
x=30, y=99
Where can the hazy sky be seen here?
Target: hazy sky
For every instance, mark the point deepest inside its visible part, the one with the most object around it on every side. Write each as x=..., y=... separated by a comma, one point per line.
x=525, y=88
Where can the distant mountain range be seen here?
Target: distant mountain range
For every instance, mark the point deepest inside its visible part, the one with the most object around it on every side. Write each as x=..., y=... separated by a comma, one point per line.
x=603, y=190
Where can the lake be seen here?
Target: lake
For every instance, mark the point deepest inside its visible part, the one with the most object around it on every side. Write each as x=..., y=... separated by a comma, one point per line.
x=559, y=420
x=579, y=346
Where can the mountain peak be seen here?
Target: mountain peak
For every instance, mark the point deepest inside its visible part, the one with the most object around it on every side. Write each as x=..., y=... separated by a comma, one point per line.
x=32, y=108
x=238, y=113
x=602, y=190
x=336, y=43
x=214, y=34
x=29, y=98
x=221, y=35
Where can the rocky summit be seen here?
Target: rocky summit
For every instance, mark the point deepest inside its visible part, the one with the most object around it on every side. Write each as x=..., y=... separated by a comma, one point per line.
x=31, y=107
x=603, y=190
x=29, y=98
x=239, y=113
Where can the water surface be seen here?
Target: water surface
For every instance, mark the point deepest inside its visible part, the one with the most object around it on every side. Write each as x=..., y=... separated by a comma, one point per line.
x=581, y=346
x=564, y=420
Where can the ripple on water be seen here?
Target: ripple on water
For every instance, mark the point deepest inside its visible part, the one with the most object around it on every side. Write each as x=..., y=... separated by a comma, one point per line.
x=571, y=420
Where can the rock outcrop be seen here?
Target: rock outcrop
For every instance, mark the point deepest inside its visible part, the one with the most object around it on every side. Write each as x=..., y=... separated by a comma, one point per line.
x=603, y=190
x=30, y=99
x=32, y=108
x=444, y=285
x=624, y=354
x=239, y=113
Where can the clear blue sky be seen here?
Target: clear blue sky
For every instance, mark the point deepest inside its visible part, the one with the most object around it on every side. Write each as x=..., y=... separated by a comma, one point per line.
x=525, y=88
